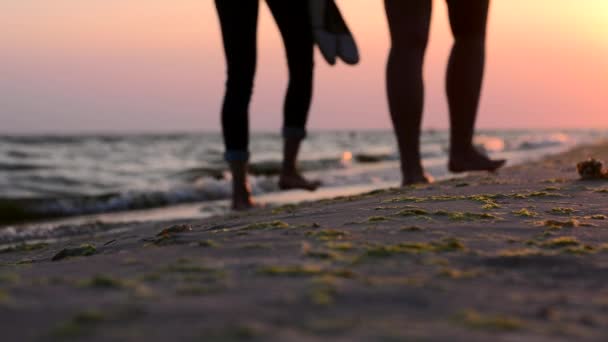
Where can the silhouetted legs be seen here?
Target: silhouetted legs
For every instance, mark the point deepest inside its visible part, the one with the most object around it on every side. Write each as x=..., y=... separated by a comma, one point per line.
x=409, y=23
x=468, y=20
x=409, y=27
x=238, y=20
x=294, y=24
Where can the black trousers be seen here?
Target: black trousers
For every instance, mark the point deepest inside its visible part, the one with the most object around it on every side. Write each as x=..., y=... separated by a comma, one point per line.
x=238, y=20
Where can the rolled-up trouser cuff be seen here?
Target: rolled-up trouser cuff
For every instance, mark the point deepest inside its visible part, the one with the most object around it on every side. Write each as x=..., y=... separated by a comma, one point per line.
x=236, y=155
x=294, y=132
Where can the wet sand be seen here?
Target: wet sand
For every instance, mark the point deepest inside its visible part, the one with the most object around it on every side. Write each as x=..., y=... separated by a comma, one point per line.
x=522, y=255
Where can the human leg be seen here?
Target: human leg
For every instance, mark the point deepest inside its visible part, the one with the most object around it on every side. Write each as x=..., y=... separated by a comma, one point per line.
x=238, y=21
x=293, y=21
x=409, y=23
x=468, y=20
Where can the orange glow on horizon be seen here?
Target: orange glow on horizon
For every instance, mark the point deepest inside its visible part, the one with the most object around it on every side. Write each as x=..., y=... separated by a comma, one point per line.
x=546, y=59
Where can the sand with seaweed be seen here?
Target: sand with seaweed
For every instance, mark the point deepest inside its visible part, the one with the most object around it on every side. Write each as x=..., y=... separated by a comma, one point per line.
x=521, y=255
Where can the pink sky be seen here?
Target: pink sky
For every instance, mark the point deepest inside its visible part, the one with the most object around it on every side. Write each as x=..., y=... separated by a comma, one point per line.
x=157, y=65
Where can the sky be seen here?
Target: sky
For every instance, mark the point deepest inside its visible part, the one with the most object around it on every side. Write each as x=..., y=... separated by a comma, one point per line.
x=73, y=66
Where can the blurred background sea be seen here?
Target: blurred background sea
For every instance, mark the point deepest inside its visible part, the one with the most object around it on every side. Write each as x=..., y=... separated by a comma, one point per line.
x=54, y=177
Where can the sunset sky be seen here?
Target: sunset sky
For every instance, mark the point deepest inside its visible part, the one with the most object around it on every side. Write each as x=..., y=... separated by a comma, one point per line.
x=158, y=65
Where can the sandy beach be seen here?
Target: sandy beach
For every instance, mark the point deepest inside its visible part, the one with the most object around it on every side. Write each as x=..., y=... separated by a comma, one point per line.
x=522, y=255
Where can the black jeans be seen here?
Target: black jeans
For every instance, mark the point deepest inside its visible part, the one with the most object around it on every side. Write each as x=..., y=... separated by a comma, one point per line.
x=238, y=20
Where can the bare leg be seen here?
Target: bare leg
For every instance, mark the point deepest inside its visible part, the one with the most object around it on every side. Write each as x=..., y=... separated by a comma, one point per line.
x=290, y=177
x=409, y=22
x=238, y=21
x=241, y=192
x=468, y=20
x=292, y=19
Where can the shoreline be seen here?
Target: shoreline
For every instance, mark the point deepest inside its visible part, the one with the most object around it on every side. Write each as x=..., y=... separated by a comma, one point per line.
x=521, y=255
x=39, y=189
x=206, y=209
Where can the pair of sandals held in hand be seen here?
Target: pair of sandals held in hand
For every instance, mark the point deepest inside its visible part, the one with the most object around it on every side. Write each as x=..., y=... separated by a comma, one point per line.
x=331, y=33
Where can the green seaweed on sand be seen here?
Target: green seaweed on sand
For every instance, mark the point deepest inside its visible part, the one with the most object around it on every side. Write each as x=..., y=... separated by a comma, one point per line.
x=490, y=206
x=328, y=234
x=308, y=225
x=304, y=270
x=383, y=207
x=437, y=261
x=466, y=216
x=523, y=212
x=476, y=320
x=208, y=244
x=106, y=282
x=175, y=229
x=518, y=253
x=267, y=225
x=534, y=195
x=556, y=224
x=413, y=212
x=544, y=194
x=169, y=235
x=320, y=254
x=83, y=250
x=309, y=251
x=488, y=201
x=339, y=246
x=563, y=241
x=580, y=250
x=285, y=209
x=375, y=219
x=323, y=290
x=85, y=322
x=483, y=198
x=445, y=245
x=562, y=211
x=80, y=324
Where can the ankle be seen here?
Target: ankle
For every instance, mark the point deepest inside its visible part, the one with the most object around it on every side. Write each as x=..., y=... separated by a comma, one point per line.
x=463, y=151
x=289, y=171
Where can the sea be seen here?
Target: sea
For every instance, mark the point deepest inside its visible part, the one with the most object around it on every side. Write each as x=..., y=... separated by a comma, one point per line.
x=54, y=180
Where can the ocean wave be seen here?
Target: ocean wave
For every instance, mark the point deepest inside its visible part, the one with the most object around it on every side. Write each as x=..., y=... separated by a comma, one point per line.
x=20, y=167
x=9, y=236
x=543, y=141
x=29, y=209
x=59, y=176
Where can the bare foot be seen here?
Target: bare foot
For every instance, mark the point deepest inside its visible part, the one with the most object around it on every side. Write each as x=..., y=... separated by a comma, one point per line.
x=418, y=177
x=474, y=161
x=297, y=181
x=241, y=197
